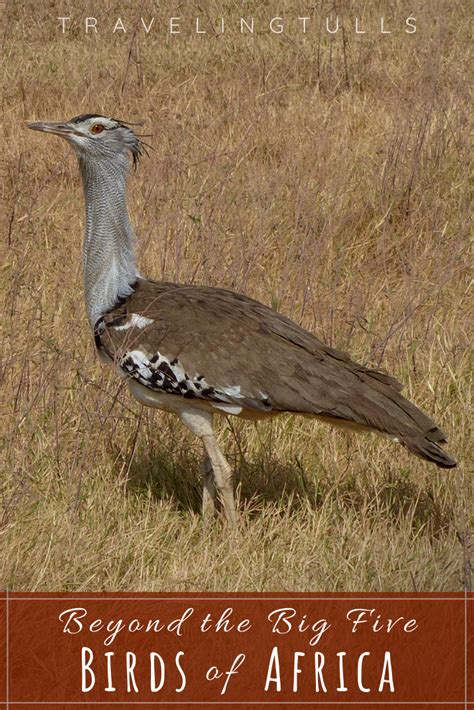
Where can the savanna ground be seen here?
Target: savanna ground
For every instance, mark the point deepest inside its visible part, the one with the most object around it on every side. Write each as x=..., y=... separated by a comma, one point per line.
x=325, y=175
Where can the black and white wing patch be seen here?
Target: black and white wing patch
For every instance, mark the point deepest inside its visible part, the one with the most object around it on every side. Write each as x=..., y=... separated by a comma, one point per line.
x=160, y=374
x=126, y=340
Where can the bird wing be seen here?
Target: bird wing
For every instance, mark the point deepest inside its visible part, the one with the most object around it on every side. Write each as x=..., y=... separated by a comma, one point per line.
x=210, y=344
x=213, y=339
x=183, y=340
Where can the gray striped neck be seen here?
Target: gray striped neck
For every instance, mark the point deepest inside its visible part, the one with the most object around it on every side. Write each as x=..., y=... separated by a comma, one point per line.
x=109, y=258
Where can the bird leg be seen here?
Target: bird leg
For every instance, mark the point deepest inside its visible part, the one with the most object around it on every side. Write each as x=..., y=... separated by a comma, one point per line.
x=200, y=423
x=209, y=492
x=222, y=476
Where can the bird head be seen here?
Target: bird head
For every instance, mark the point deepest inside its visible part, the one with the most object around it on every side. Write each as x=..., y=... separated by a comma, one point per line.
x=95, y=137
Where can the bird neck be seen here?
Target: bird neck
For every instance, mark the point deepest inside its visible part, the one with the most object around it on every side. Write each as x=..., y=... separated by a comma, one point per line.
x=109, y=258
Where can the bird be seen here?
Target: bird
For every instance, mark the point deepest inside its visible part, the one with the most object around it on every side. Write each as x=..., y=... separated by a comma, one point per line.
x=199, y=351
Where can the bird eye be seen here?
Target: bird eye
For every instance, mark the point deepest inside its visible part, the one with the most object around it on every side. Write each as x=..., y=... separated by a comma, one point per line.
x=97, y=128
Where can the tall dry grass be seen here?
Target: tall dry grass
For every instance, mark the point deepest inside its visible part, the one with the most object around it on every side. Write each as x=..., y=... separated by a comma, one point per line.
x=326, y=176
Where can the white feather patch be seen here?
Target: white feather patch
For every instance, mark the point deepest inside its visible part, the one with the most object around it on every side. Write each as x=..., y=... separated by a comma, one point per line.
x=232, y=391
x=227, y=408
x=135, y=321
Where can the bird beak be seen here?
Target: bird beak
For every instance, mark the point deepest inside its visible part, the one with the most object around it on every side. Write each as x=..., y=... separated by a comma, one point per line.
x=60, y=129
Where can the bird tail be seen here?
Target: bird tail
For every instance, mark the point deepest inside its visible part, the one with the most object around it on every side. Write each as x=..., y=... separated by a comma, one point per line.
x=424, y=438
x=427, y=449
x=330, y=386
x=386, y=410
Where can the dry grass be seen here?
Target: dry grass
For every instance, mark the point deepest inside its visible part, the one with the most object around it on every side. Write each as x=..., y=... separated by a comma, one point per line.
x=326, y=176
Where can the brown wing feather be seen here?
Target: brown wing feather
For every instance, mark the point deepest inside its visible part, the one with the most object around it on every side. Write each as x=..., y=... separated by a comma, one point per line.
x=233, y=340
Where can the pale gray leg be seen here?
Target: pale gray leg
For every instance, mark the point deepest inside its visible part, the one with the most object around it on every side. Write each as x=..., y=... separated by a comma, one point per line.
x=200, y=423
x=209, y=492
x=223, y=477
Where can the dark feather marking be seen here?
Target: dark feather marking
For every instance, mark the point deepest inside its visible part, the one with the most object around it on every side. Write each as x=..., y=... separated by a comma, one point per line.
x=98, y=330
x=85, y=117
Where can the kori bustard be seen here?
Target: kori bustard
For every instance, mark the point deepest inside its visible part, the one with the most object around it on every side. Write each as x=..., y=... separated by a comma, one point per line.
x=199, y=351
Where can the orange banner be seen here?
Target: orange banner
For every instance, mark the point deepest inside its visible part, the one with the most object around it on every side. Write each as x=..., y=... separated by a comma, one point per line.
x=216, y=649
